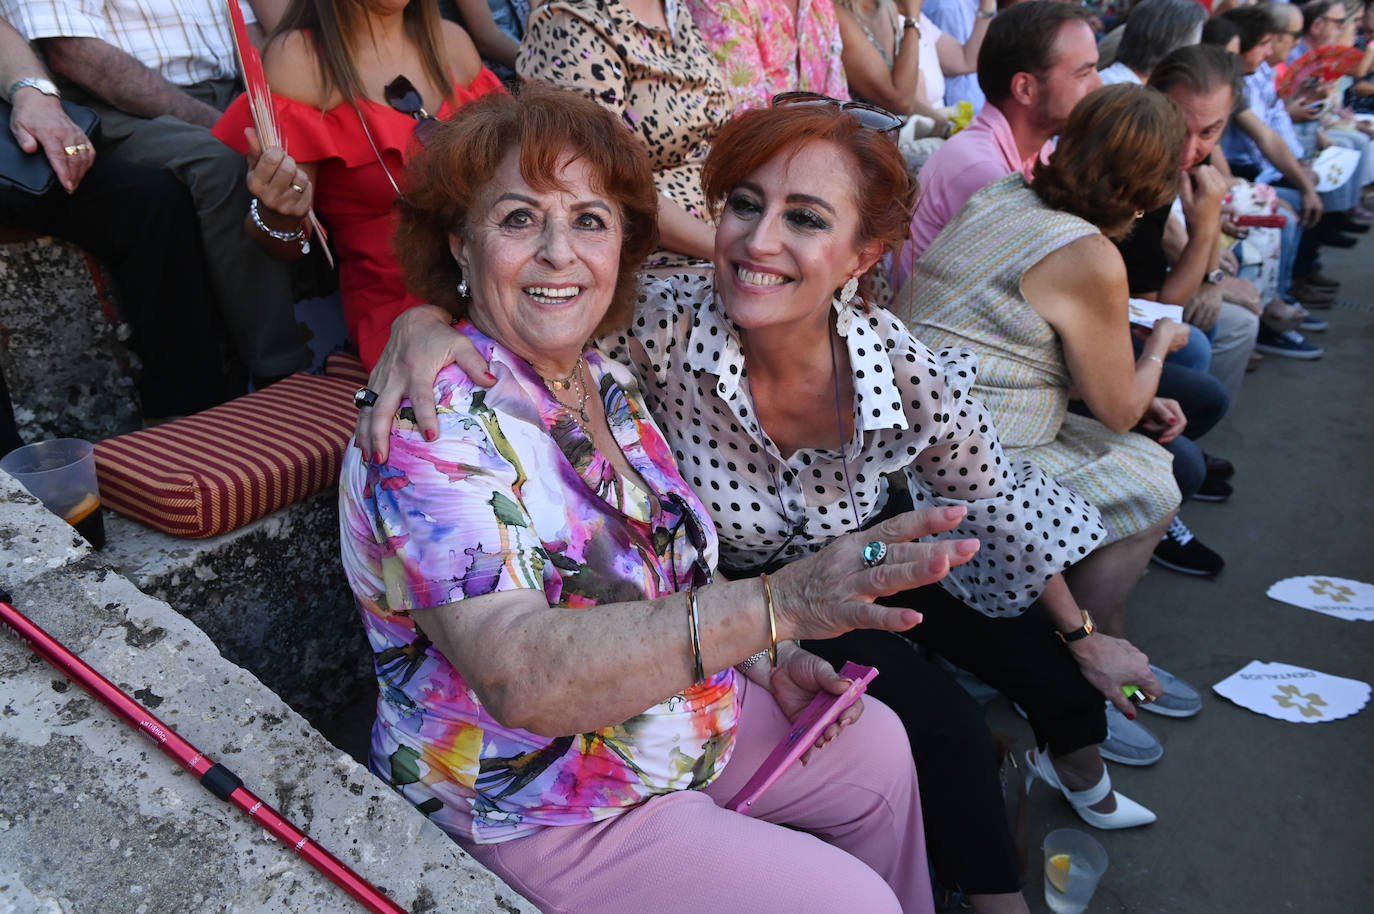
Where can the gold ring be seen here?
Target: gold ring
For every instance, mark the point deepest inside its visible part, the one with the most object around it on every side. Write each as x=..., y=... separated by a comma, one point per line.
x=77, y=149
x=297, y=188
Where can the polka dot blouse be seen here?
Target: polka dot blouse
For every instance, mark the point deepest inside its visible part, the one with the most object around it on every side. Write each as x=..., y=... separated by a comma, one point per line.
x=913, y=412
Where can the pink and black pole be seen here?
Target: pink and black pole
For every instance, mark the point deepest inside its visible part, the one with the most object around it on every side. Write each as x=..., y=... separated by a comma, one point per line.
x=213, y=776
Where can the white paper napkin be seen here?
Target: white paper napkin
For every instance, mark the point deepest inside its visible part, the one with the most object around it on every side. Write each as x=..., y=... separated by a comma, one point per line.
x=1292, y=693
x=1339, y=597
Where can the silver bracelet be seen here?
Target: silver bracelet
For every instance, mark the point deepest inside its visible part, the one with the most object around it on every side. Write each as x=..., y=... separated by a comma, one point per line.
x=747, y=662
x=297, y=235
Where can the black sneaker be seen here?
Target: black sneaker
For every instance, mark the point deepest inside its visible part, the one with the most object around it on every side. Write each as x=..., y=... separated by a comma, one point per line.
x=1213, y=488
x=1181, y=551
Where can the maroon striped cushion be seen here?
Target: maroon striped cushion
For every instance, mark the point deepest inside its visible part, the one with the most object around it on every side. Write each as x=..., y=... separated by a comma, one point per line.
x=347, y=366
x=215, y=471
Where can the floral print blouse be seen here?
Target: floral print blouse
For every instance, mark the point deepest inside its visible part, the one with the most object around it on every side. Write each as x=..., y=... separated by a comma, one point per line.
x=512, y=495
x=764, y=49
x=664, y=84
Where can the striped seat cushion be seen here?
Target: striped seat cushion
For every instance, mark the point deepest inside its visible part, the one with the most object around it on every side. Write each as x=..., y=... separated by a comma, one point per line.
x=215, y=471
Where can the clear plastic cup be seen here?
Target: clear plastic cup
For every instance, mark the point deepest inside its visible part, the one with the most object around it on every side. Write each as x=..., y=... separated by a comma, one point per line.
x=61, y=474
x=1074, y=862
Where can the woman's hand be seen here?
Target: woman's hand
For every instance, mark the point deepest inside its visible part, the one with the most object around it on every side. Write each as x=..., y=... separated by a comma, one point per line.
x=284, y=190
x=1172, y=332
x=832, y=591
x=1110, y=663
x=1164, y=420
x=421, y=343
x=799, y=678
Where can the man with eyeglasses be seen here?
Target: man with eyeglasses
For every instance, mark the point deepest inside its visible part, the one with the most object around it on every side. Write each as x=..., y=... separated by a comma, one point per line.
x=1322, y=22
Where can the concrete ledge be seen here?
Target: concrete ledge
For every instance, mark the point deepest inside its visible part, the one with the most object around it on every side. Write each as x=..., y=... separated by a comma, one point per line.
x=96, y=819
x=271, y=595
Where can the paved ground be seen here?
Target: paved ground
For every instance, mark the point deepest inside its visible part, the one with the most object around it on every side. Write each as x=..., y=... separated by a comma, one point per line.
x=1257, y=815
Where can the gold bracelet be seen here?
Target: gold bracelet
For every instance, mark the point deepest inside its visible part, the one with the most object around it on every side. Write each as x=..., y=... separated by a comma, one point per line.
x=693, y=624
x=772, y=623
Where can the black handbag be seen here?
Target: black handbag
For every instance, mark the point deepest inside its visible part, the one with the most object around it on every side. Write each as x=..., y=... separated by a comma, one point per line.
x=30, y=172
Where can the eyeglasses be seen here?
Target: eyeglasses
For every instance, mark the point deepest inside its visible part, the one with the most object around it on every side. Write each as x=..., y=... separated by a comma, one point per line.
x=870, y=116
x=402, y=95
x=687, y=522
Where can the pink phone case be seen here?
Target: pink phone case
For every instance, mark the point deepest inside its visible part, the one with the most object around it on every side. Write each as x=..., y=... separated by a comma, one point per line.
x=821, y=713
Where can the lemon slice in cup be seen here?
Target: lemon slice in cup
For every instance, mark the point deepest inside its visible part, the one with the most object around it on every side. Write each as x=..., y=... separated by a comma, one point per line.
x=1057, y=871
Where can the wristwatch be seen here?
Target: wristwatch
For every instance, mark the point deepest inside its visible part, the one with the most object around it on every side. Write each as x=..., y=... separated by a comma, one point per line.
x=987, y=14
x=1078, y=634
x=33, y=82
x=1215, y=277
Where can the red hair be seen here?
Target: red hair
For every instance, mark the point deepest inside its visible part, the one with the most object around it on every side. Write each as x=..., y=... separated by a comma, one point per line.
x=883, y=192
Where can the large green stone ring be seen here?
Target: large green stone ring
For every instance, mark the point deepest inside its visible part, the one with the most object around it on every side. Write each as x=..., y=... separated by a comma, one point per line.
x=874, y=553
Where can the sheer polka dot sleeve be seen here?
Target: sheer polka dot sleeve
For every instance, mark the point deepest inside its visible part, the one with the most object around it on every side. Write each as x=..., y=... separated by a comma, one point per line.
x=1031, y=527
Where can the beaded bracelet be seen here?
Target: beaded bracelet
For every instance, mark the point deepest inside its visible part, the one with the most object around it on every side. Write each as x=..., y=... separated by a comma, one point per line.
x=297, y=235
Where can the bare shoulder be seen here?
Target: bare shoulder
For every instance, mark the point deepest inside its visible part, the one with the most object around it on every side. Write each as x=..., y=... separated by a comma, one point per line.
x=292, y=65
x=464, y=63
x=1086, y=275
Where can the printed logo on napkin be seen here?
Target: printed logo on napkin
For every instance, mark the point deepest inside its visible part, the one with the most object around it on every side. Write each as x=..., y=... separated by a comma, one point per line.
x=1294, y=694
x=1338, y=597
x=1145, y=312
x=1333, y=166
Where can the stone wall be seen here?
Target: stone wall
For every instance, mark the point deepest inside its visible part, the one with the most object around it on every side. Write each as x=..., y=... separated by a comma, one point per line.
x=95, y=819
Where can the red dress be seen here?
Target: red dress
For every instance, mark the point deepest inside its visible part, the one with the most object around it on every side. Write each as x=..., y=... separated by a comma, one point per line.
x=353, y=196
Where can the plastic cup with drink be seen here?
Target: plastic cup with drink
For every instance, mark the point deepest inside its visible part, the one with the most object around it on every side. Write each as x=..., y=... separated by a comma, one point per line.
x=61, y=474
x=1074, y=863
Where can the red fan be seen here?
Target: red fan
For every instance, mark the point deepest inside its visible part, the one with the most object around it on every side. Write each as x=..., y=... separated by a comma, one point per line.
x=1318, y=66
x=260, y=102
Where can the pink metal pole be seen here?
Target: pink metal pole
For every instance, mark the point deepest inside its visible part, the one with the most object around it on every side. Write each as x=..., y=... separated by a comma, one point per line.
x=213, y=776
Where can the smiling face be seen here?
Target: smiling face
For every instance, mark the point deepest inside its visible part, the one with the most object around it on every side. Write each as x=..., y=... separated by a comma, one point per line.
x=1206, y=116
x=788, y=238
x=542, y=265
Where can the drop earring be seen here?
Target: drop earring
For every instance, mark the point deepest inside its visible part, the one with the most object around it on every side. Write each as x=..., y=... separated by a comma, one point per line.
x=850, y=287
x=463, y=290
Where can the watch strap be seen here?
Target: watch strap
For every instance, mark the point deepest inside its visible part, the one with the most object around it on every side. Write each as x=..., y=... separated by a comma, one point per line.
x=45, y=86
x=1078, y=634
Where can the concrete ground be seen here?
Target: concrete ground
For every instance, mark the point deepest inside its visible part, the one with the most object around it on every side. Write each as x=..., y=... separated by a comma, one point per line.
x=1258, y=815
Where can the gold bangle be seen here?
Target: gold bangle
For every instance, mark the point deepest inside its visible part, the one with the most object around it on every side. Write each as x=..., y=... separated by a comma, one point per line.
x=693, y=624
x=772, y=623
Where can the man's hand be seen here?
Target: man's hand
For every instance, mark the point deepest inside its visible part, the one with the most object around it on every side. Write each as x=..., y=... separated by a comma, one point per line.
x=1201, y=190
x=1203, y=309
x=1311, y=207
x=1241, y=292
x=1110, y=663
x=38, y=120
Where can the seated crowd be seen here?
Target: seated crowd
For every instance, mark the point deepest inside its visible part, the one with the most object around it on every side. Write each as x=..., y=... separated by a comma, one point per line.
x=714, y=384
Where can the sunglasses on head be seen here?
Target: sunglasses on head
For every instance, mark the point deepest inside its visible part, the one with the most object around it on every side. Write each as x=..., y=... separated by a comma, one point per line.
x=870, y=116
x=402, y=95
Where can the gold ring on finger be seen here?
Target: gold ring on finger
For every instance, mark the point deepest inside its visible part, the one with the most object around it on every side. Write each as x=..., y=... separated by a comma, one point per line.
x=297, y=188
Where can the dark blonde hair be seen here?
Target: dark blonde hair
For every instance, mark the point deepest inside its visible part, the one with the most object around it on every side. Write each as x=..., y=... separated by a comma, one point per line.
x=332, y=24
x=1119, y=154
x=883, y=192
x=449, y=176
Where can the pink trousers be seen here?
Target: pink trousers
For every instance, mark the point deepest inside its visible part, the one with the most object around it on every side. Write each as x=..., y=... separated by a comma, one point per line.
x=853, y=840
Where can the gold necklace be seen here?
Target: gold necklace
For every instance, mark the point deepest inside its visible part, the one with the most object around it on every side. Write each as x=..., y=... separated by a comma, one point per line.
x=556, y=384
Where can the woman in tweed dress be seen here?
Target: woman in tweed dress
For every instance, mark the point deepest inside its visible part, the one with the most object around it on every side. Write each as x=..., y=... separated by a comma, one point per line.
x=1028, y=278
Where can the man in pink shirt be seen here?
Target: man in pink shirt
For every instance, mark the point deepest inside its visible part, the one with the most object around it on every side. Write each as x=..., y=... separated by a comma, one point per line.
x=1038, y=59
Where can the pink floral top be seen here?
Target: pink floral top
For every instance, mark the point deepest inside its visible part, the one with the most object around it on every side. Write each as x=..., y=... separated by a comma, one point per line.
x=511, y=496
x=764, y=49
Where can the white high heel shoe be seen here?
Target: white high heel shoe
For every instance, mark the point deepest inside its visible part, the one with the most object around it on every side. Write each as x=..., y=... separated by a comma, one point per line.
x=1128, y=813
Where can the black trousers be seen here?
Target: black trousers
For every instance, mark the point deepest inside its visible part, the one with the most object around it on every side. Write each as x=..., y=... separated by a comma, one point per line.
x=140, y=222
x=967, y=836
